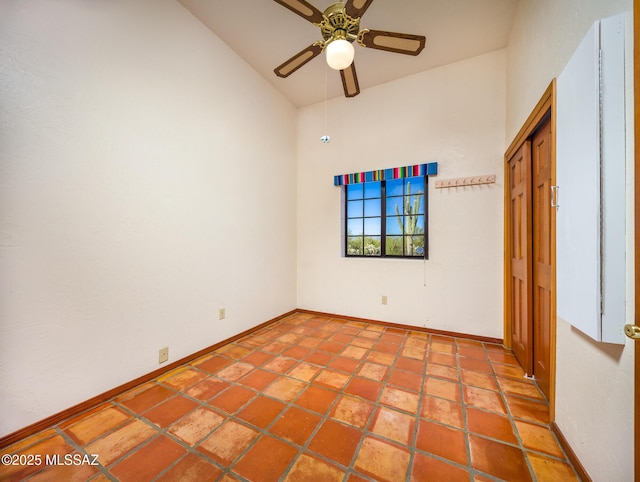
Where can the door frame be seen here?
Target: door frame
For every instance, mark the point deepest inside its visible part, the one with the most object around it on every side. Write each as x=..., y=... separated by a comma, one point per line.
x=636, y=203
x=546, y=105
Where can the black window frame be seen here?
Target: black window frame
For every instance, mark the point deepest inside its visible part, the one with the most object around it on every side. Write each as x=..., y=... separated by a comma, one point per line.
x=383, y=222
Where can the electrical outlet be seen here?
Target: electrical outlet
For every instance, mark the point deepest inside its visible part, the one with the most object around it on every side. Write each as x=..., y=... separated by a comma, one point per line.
x=163, y=354
x=222, y=313
x=384, y=299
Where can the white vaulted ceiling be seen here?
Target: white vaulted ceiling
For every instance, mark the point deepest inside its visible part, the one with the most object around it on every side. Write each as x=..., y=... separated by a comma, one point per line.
x=265, y=34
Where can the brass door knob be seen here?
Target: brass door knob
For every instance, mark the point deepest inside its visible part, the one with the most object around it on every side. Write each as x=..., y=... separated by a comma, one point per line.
x=632, y=331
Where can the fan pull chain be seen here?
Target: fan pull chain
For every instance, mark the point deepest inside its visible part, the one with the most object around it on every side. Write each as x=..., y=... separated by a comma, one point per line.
x=325, y=138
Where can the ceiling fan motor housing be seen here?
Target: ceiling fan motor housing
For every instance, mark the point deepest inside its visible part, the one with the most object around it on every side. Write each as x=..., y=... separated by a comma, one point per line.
x=337, y=24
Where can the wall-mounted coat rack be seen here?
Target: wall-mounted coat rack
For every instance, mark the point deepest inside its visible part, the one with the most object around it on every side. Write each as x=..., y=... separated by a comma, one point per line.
x=466, y=181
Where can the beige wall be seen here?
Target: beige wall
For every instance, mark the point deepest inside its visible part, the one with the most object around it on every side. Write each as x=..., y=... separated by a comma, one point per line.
x=133, y=204
x=594, y=398
x=453, y=115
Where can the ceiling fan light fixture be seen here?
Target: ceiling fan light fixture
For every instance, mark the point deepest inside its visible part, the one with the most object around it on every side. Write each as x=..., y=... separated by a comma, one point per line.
x=340, y=54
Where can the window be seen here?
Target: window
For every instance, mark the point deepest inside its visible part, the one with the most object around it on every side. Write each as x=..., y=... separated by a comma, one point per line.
x=387, y=218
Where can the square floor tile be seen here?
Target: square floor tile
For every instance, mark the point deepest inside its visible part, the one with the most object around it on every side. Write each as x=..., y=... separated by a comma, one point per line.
x=405, y=379
x=442, y=388
x=486, y=399
x=474, y=364
x=297, y=352
x=429, y=469
x=295, y=425
x=303, y=371
x=232, y=399
x=491, y=425
x=401, y=399
x=317, y=399
x=443, y=359
x=207, y=388
x=332, y=379
x=413, y=352
x=373, y=371
x=477, y=352
x=534, y=411
x=503, y=357
x=235, y=371
x=354, y=352
x=307, y=468
x=477, y=379
x=524, y=389
x=538, y=438
x=182, y=378
x=147, y=462
x=442, y=441
x=196, y=425
x=266, y=461
x=257, y=358
x=410, y=364
x=228, y=442
x=118, y=443
x=508, y=371
x=191, y=468
x=258, y=379
x=353, y=411
x=364, y=388
x=443, y=411
x=382, y=460
x=285, y=389
x=261, y=411
x=442, y=371
x=170, y=411
x=280, y=364
x=336, y=441
x=394, y=425
x=546, y=468
x=214, y=364
x=344, y=364
x=145, y=400
x=90, y=428
x=381, y=357
x=498, y=459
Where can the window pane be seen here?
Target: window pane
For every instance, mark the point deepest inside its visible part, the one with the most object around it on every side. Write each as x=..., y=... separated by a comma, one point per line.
x=392, y=204
x=394, y=187
x=372, y=189
x=372, y=246
x=354, y=227
x=414, y=185
x=372, y=207
x=354, y=191
x=354, y=245
x=418, y=246
x=372, y=226
x=417, y=204
x=354, y=209
x=394, y=225
x=394, y=245
x=414, y=224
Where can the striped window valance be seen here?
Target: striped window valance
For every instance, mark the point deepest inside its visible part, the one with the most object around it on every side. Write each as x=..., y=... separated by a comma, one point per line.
x=429, y=169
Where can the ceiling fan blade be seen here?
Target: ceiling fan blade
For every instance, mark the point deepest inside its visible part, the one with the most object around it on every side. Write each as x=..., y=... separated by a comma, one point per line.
x=303, y=8
x=298, y=60
x=401, y=43
x=350, y=81
x=356, y=8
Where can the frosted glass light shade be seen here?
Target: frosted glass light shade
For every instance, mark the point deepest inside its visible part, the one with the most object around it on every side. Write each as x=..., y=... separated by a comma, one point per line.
x=339, y=54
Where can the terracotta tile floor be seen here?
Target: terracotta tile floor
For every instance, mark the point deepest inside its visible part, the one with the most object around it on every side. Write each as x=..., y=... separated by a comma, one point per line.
x=312, y=398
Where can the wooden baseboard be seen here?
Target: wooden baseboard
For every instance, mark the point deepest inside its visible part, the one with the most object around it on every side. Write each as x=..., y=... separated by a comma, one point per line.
x=485, y=339
x=571, y=455
x=114, y=392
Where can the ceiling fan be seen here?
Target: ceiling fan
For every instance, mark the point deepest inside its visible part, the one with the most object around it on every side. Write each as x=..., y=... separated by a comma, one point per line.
x=340, y=27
